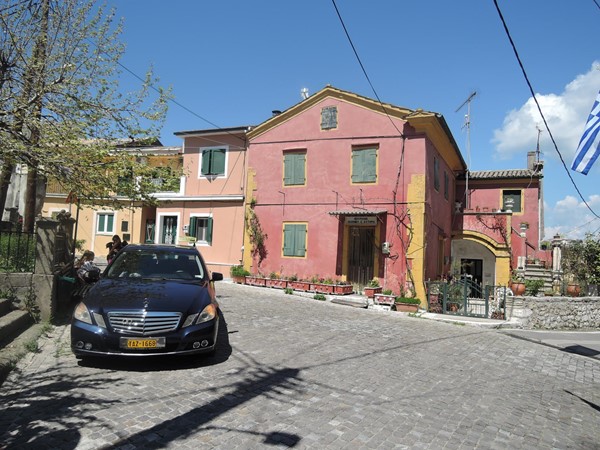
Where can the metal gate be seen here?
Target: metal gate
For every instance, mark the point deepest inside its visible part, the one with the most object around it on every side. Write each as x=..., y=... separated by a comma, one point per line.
x=465, y=297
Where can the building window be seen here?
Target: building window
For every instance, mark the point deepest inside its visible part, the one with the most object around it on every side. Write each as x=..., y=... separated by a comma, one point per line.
x=446, y=185
x=105, y=223
x=201, y=228
x=213, y=161
x=511, y=200
x=294, y=168
x=328, y=117
x=364, y=165
x=294, y=239
x=436, y=174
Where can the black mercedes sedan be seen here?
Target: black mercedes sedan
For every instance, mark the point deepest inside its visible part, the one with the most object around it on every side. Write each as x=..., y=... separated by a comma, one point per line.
x=150, y=300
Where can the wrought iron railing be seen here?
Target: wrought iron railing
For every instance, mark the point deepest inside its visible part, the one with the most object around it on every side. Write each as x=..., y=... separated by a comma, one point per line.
x=17, y=251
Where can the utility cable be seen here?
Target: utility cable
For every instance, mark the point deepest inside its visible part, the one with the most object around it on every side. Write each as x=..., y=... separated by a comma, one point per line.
x=363, y=67
x=540, y=109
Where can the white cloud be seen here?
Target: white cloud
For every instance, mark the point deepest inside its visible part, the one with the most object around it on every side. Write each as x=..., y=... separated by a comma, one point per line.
x=565, y=113
x=571, y=218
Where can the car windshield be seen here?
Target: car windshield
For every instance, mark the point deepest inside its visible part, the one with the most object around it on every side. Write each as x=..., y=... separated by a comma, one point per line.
x=156, y=264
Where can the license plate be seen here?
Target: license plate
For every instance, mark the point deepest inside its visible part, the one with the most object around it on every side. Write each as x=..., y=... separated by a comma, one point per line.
x=142, y=343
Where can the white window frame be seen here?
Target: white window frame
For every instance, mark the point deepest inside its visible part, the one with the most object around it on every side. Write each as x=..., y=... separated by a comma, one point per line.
x=97, y=218
x=204, y=243
x=158, y=226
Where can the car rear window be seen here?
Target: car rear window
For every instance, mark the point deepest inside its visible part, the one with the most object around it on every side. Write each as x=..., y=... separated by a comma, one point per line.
x=157, y=264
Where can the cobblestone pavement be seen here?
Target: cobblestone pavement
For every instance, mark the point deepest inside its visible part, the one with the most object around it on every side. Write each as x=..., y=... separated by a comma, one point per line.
x=296, y=372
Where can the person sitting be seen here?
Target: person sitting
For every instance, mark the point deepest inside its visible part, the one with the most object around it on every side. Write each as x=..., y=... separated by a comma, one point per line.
x=87, y=271
x=114, y=247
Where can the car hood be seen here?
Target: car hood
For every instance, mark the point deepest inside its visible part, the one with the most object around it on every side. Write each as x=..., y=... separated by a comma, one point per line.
x=151, y=295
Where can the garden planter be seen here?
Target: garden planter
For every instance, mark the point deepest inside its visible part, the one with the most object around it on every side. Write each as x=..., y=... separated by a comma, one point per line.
x=239, y=279
x=371, y=291
x=406, y=307
x=343, y=289
x=324, y=288
x=303, y=286
x=276, y=283
x=383, y=299
x=256, y=281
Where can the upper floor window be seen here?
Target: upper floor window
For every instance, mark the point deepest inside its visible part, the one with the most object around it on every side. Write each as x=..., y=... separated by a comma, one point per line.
x=105, y=223
x=436, y=174
x=294, y=168
x=213, y=161
x=328, y=117
x=294, y=239
x=511, y=200
x=364, y=165
x=201, y=228
x=446, y=185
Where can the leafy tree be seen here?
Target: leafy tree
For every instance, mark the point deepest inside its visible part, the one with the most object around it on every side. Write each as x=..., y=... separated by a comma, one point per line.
x=61, y=107
x=581, y=259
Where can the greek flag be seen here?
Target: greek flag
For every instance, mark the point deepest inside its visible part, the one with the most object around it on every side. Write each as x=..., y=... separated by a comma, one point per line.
x=589, y=146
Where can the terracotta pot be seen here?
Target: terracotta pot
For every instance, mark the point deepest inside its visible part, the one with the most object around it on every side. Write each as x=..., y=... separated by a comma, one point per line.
x=573, y=290
x=517, y=288
x=371, y=291
x=343, y=289
x=406, y=307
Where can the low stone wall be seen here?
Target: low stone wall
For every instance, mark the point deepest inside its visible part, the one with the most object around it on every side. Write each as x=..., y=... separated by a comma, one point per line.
x=554, y=313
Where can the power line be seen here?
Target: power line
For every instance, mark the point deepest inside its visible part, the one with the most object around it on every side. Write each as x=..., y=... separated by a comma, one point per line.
x=362, y=66
x=540, y=109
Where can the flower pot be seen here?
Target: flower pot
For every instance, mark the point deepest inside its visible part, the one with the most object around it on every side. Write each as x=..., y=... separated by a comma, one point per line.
x=406, y=307
x=573, y=290
x=371, y=291
x=239, y=279
x=518, y=288
x=276, y=283
x=303, y=286
x=342, y=289
x=323, y=288
x=383, y=299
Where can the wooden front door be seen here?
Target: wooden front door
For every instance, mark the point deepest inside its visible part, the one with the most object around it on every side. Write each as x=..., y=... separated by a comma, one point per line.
x=361, y=255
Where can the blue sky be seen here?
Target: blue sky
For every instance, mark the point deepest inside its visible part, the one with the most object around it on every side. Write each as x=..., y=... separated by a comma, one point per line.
x=233, y=62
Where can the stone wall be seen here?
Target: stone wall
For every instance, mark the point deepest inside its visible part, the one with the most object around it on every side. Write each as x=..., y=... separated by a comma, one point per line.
x=554, y=313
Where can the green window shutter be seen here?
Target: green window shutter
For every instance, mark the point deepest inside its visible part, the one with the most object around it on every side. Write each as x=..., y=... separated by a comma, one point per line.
x=300, y=240
x=218, y=162
x=101, y=218
x=288, y=241
x=206, y=156
x=299, y=168
x=364, y=165
x=294, y=240
x=288, y=169
x=192, y=227
x=110, y=225
x=209, y=230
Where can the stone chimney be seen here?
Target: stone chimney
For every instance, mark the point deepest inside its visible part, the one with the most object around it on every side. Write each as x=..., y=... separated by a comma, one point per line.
x=531, y=160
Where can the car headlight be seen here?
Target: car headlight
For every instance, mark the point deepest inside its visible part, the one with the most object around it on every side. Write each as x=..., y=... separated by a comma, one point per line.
x=82, y=313
x=208, y=313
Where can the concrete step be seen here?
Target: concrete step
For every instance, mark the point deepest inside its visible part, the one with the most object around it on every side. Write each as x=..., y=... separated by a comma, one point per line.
x=6, y=306
x=14, y=350
x=13, y=324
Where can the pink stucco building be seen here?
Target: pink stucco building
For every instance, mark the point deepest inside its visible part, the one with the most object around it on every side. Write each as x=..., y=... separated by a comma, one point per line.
x=344, y=187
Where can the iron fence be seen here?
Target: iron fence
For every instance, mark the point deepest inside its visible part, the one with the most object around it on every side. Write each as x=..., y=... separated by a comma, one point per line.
x=17, y=251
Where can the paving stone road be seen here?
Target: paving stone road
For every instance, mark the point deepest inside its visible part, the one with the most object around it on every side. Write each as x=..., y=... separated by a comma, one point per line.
x=293, y=372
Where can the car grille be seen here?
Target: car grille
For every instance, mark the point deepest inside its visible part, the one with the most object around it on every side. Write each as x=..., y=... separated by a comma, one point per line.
x=143, y=322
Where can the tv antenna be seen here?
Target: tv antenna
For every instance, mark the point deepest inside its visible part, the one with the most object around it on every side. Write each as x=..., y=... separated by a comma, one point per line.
x=467, y=125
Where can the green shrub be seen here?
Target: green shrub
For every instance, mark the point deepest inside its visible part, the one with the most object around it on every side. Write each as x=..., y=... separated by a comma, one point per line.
x=374, y=283
x=319, y=297
x=387, y=292
x=532, y=287
x=409, y=300
x=288, y=291
x=238, y=271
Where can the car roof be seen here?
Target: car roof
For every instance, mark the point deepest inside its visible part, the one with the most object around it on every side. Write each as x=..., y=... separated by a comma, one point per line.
x=161, y=247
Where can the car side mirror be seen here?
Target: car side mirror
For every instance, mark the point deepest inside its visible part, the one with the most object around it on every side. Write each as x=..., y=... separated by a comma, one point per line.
x=216, y=276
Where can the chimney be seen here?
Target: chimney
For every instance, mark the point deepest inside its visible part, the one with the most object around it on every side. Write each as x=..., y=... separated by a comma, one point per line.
x=531, y=160
x=275, y=112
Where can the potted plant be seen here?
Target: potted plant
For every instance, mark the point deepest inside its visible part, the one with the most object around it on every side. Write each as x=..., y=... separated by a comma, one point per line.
x=298, y=285
x=275, y=281
x=372, y=288
x=342, y=287
x=325, y=286
x=386, y=297
x=533, y=287
x=238, y=274
x=256, y=280
x=407, y=304
x=517, y=284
